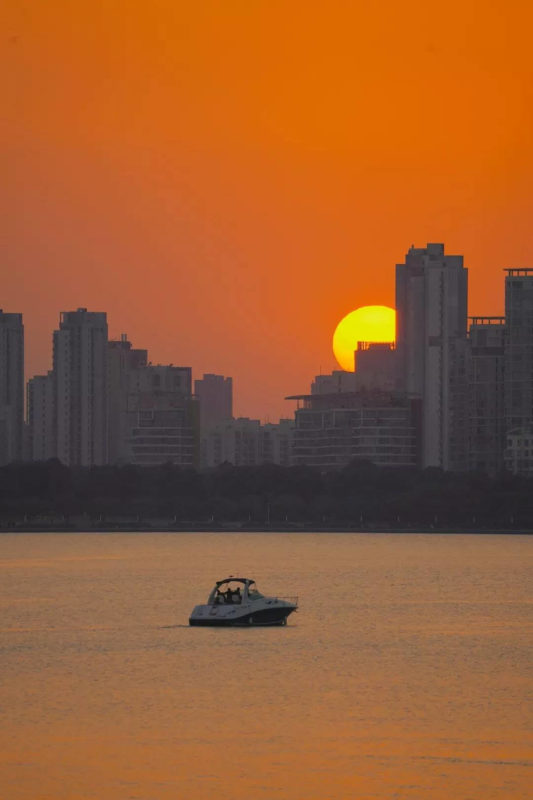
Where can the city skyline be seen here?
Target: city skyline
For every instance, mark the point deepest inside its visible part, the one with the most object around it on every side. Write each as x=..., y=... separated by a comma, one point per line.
x=250, y=171
x=116, y=332
x=453, y=391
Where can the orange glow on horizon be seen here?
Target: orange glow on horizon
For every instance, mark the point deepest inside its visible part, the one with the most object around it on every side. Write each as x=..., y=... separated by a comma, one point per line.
x=220, y=177
x=366, y=324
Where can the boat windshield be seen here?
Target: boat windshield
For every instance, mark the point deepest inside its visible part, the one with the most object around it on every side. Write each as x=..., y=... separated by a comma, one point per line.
x=253, y=592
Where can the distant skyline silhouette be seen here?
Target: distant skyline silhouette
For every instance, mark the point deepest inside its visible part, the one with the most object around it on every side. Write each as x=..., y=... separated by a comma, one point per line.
x=228, y=180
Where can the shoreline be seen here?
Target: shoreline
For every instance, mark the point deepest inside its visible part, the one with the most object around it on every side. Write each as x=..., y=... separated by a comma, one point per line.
x=235, y=528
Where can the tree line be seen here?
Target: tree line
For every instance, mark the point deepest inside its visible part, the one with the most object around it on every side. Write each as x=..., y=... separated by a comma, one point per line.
x=359, y=495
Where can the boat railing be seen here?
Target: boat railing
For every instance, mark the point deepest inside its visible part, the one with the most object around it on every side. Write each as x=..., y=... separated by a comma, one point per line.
x=289, y=598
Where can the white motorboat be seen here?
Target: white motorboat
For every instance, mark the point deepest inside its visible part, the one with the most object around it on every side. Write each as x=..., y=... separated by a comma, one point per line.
x=237, y=601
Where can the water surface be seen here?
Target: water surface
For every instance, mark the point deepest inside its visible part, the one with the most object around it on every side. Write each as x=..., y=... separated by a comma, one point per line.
x=404, y=674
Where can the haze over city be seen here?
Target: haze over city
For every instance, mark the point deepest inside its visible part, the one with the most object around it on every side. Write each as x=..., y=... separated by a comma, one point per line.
x=228, y=180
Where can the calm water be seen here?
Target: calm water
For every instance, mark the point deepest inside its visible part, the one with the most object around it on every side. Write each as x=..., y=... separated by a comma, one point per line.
x=404, y=674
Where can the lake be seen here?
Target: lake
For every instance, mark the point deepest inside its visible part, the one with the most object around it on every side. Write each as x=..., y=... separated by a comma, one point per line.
x=404, y=674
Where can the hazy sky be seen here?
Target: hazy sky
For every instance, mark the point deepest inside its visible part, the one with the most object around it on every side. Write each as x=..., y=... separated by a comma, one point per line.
x=228, y=179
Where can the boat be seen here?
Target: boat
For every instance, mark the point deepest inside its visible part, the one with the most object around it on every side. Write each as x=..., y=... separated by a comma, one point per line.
x=237, y=602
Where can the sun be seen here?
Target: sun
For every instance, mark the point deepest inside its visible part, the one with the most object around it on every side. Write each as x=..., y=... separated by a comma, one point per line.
x=365, y=324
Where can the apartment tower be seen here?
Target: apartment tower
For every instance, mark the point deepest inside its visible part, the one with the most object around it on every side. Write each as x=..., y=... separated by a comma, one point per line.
x=80, y=371
x=431, y=344
x=11, y=387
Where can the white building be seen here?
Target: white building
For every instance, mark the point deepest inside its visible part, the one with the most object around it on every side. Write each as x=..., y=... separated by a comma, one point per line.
x=80, y=373
x=11, y=387
x=41, y=417
x=431, y=344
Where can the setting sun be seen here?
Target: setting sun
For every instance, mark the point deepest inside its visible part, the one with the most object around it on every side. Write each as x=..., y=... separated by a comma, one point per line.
x=366, y=324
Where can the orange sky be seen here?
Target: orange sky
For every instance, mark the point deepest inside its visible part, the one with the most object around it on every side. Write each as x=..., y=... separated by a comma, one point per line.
x=228, y=179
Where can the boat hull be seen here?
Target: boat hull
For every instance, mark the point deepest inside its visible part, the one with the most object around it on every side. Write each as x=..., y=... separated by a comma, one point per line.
x=258, y=617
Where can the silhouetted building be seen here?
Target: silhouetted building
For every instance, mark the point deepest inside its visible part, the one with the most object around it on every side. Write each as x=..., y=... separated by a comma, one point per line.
x=11, y=387
x=519, y=369
x=160, y=420
x=41, y=417
x=245, y=442
x=376, y=366
x=519, y=348
x=80, y=372
x=518, y=453
x=215, y=397
x=337, y=381
x=121, y=360
x=378, y=426
x=431, y=343
x=236, y=441
x=276, y=441
x=486, y=421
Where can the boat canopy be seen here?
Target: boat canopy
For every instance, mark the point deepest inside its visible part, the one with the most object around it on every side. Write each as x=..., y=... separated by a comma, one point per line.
x=239, y=580
x=249, y=589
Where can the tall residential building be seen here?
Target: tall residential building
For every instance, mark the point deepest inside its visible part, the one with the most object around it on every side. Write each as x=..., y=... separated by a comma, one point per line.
x=41, y=417
x=486, y=420
x=80, y=377
x=11, y=387
x=215, y=396
x=518, y=361
x=122, y=359
x=159, y=422
x=431, y=344
x=519, y=348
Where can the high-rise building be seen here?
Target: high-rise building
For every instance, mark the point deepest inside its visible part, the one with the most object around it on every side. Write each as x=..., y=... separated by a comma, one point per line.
x=431, y=345
x=121, y=360
x=159, y=422
x=215, y=396
x=41, y=417
x=11, y=387
x=80, y=379
x=518, y=360
x=519, y=348
x=486, y=421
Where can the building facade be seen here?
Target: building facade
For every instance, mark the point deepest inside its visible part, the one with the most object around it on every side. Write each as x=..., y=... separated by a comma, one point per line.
x=122, y=359
x=11, y=387
x=41, y=417
x=431, y=344
x=486, y=420
x=215, y=398
x=245, y=442
x=80, y=391
x=332, y=430
x=519, y=348
x=160, y=421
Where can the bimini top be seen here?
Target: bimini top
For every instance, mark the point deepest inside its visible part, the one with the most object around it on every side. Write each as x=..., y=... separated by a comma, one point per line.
x=239, y=580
